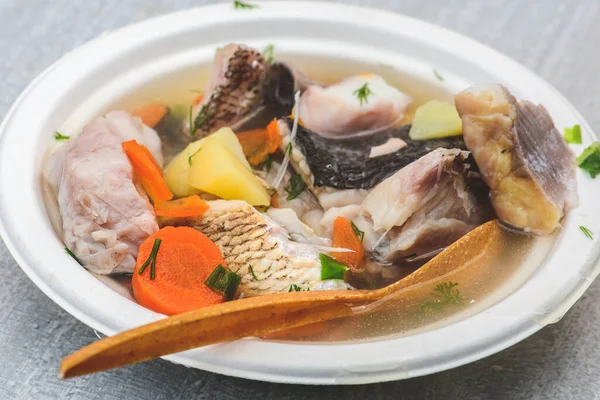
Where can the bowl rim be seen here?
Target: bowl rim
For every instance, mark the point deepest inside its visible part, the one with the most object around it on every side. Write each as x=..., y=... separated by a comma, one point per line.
x=505, y=328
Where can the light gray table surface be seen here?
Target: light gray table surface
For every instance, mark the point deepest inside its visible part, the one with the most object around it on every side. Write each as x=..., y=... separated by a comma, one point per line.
x=557, y=39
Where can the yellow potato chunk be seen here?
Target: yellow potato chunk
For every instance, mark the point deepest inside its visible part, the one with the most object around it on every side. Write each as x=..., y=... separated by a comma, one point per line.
x=218, y=171
x=177, y=172
x=435, y=119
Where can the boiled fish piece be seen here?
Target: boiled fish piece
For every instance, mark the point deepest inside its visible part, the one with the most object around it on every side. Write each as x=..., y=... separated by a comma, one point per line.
x=301, y=204
x=522, y=157
x=345, y=163
x=106, y=214
x=244, y=91
x=338, y=110
x=424, y=207
x=278, y=247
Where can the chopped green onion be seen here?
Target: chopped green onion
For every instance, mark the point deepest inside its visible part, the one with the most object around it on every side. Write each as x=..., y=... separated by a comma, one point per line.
x=224, y=281
x=573, y=135
x=59, y=136
x=295, y=187
x=268, y=53
x=252, y=272
x=69, y=252
x=589, y=160
x=151, y=260
x=233, y=281
x=363, y=93
x=331, y=269
x=216, y=279
x=587, y=232
x=241, y=5
x=359, y=234
x=288, y=149
x=437, y=75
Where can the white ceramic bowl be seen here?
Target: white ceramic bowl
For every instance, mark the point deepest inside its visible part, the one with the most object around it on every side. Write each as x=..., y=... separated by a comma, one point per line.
x=92, y=76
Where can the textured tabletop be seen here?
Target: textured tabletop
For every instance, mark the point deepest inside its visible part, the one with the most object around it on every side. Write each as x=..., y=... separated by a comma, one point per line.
x=556, y=39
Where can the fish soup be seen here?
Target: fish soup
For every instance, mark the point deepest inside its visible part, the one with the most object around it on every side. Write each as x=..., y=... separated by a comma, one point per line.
x=253, y=176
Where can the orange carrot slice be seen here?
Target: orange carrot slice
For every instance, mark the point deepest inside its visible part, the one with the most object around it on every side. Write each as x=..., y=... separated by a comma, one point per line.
x=184, y=260
x=259, y=143
x=345, y=236
x=186, y=207
x=151, y=114
x=148, y=170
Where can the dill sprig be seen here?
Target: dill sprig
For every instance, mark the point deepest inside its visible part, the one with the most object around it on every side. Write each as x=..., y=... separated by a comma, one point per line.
x=363, y=93
x=296, y=288
x=295, y=187
x=241, y=5
x=443, y=295
x=59, y=136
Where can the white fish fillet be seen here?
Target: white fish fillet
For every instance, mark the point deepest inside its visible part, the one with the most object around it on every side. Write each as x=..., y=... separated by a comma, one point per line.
x=105, y=214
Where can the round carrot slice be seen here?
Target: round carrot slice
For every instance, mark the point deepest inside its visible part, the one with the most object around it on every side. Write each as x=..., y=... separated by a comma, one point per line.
x=185, y=258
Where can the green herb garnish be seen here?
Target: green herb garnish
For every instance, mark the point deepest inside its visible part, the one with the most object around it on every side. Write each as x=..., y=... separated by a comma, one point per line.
x=363, y=93
x=437, y=75
x=288, y=149
x=360, y=234
x=59, y=136
x=252, y=272
x=266, y=164
x=587, y=232
x=190, y=156
x=294, y=288
x=200, y=120
x=241, y=5
x=295, y=187
x=443, y=295
x=589, y=160
x=331, y=269
x=151, y=260
x=224, y=281
x=192, y=126
x=269, y=52
x=573, y=135
x=69, y=252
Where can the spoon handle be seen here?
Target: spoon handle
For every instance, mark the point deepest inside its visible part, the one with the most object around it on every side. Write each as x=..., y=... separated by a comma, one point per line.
x=221, y=323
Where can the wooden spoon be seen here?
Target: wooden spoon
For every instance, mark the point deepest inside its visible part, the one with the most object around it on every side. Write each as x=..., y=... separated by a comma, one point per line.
x=257, y=316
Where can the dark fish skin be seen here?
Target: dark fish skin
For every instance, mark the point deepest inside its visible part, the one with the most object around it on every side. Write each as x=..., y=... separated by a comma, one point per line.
x=345, y=164
x=251, y=92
